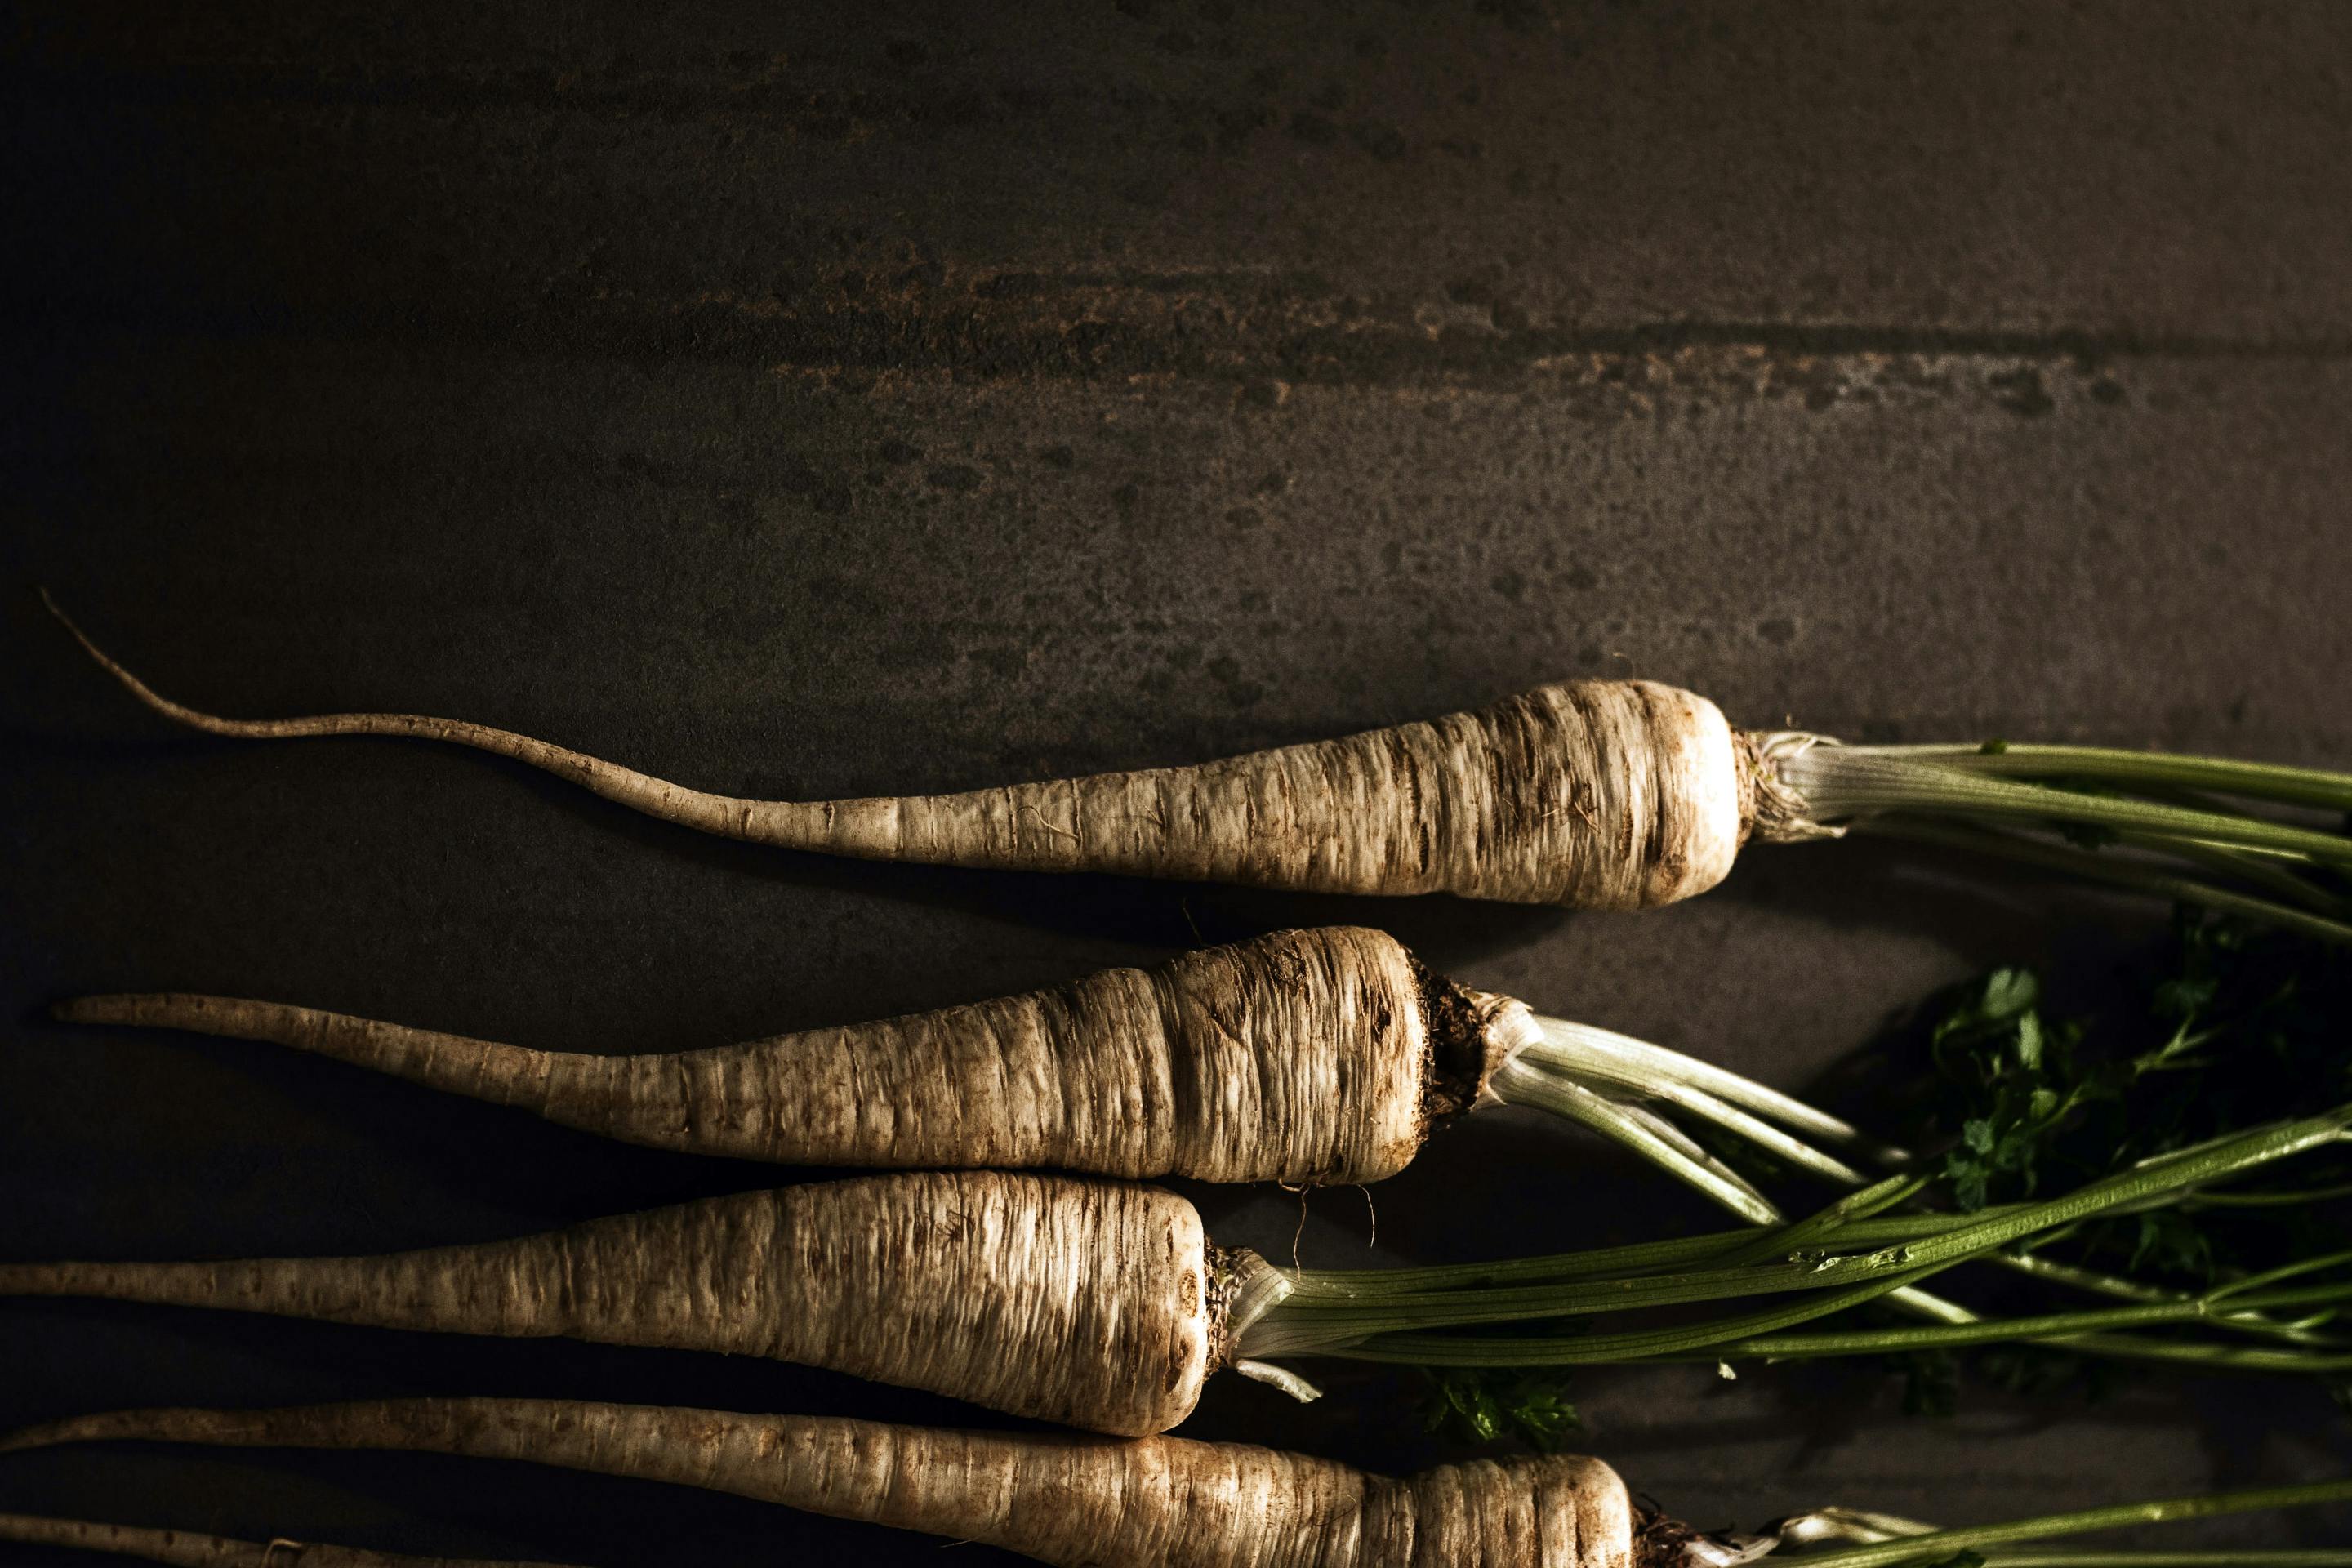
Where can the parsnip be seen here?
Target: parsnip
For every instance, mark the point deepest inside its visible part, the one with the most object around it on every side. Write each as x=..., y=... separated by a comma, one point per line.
x=1598, y=794
x=1313, y=1057
x=191, y=1548
x=1310, y=1057
x=1165, y=1501
x=1104, y=1305
x=1604, y=795
x=1094, y=1303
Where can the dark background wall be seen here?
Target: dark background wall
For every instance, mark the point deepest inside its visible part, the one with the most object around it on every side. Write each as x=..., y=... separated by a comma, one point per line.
x=813, y=400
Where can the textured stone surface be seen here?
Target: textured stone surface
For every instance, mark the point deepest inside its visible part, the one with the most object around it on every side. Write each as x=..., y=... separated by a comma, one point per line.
x=933, y=397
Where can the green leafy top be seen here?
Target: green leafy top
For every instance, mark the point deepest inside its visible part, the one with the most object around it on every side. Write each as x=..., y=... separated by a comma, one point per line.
x=2248, y=838
x=1481, y=1404
x=2014, y=1079
x=2237, y=1026
x=2223, y=1043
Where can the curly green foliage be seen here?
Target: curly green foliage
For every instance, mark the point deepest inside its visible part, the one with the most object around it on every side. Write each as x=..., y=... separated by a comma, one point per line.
x=2238, y=1026
x=2233, y=1024
x=2206, y=1058
x=2012, y=1080
x=1480, y=1404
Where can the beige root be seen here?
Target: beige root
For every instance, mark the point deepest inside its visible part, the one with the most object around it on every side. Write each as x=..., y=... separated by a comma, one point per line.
x=1071, y=1500
x=196, y=1551
x=1599, y=795
x=1093, y=1303
x=1309, y=1057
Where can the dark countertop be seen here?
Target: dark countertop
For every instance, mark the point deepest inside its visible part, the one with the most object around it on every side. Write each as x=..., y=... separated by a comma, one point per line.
x=821, y=404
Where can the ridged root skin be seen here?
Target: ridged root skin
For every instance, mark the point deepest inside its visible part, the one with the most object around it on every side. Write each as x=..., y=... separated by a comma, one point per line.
x=1314, y=1058
x=1071, y=1500
x=1079, y=1301
x=192, y=1549
x=1598, y=794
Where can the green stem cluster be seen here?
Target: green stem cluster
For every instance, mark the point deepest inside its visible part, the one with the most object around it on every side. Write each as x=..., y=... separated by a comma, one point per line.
x=2201, y=830
x=1905, y=1543
x=1606, y=1082
x=1863, y=1247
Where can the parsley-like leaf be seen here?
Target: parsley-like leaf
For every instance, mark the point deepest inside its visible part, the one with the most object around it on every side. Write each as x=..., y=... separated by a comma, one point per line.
x=2231, y=1026
x=1480, y=1404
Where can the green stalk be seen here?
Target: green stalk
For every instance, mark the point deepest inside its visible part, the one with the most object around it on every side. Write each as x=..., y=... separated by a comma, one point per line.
x=2260, y=866
x=1839, y=1526
x=1599, y=1079
x=1329, y=1314
x=1612, y=1065
x=2220, y=1557
x=1656, y=1063
x=1571, y=1052
x=2108, y=1285
x=1595, y=1349
x=2211, y=1357
x=2105, y=765
x=1837, y=1219
x=1555, y=1071
x=1940, y=1545
x=1519, y=1082
x=2094, y=866
x=1353, y=1316
x=1810, y=1534
x=1540, y=1076
x=2168, y=813
x=2046, y=1327
x=2227, y=1199
x=2253, y=1283
x=1640, y=1258
x=1841, y=781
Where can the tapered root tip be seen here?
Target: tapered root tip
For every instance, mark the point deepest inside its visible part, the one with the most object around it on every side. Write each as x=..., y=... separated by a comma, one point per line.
x=48, y=1435
x=131, y=1007
x=192, y=717
x=86, y=1010
x=82, y=637
x=158, y=1426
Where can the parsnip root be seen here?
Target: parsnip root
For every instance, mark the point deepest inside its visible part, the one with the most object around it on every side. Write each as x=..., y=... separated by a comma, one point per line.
x=1314, y=1058
x=1096, y=1304
x=190, y=1549
x=1598, y=794
x=1073, y=1501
